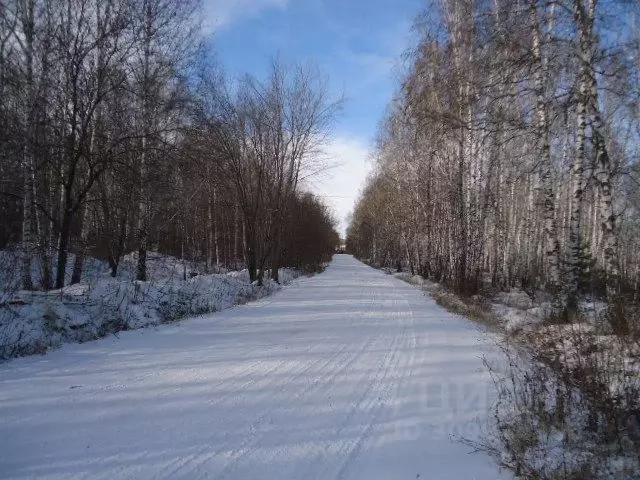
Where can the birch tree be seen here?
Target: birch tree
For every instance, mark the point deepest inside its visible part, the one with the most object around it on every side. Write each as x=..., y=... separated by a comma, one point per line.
x=500, y=134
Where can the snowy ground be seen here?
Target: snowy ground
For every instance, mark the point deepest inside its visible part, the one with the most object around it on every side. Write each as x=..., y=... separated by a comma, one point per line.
x=32, y=322
x=351, y=374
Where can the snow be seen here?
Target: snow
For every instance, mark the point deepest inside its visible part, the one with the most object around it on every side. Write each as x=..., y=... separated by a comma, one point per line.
x=412, y=279
x=351, y=374
x=34, y=321
x=10, y=271
x=515, y=298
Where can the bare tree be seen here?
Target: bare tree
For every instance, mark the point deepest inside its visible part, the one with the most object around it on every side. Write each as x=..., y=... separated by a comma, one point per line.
x=498, y=138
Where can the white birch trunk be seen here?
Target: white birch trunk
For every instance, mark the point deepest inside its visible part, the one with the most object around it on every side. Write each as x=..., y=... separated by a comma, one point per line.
x=551, y=246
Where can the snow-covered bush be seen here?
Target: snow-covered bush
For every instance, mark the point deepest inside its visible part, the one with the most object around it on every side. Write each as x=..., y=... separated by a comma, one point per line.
x=569, y=403
x=32, y=321
x=514, y=298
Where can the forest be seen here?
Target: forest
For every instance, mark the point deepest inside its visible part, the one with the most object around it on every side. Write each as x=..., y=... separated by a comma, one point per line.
x=509, y=155
x=119, y=133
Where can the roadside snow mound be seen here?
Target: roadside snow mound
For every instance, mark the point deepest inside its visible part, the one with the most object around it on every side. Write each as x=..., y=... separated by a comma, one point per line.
x=31, y=322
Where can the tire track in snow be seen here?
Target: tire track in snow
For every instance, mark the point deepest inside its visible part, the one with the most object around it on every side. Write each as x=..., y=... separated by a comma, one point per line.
x=192, y=463
x=171, y=470
x=318, y=384
x=378, y=401
x=318, y=381
x=367, y=405
x=328, y=380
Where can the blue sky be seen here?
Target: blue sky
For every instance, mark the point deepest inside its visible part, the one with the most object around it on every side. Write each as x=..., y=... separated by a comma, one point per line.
x=358, y=44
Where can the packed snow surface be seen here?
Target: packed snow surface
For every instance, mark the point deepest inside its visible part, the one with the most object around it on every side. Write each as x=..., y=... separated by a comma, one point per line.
x=351, y=374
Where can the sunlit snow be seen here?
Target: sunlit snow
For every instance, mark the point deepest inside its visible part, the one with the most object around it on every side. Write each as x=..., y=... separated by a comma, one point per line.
x=351, y=374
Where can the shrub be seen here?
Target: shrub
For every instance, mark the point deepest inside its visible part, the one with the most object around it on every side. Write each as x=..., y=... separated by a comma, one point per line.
x=569, y=405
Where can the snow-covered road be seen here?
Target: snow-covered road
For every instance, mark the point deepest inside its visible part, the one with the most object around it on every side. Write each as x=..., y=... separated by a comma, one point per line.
x=351, y=374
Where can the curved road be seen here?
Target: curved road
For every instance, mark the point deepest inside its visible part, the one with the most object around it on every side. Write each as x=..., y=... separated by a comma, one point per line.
x=351, y=374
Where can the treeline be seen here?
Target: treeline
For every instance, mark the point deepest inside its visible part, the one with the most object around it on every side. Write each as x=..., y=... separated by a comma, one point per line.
x=117, y=135
x=510, y=155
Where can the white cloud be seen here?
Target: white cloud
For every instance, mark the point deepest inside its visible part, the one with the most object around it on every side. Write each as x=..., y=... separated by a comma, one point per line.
x=340, y=186
x=222, y=13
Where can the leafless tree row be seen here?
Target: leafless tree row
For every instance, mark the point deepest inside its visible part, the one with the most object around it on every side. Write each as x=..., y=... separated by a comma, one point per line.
x=113, y=139
x=266, y=137
x=510, y=155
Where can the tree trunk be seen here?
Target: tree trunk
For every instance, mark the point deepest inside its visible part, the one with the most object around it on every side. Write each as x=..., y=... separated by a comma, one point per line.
x=607, y=215
x=29, y=227
x=585, y=17
x=46, y=234
x=551, y=246
x=141, y=274
x=577, y=186
x=114, y=256
x=462, y=220
x=63, y=243
x=28, y=233
x=215, y=230
x=235, y=236
x=81, y=251
x=250, y=251
x=276, y=256
x=143, y=204
x=209, y=228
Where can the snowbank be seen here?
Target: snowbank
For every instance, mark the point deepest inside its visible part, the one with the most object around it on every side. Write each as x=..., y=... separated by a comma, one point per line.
x=557, y=379
x=32, y=322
